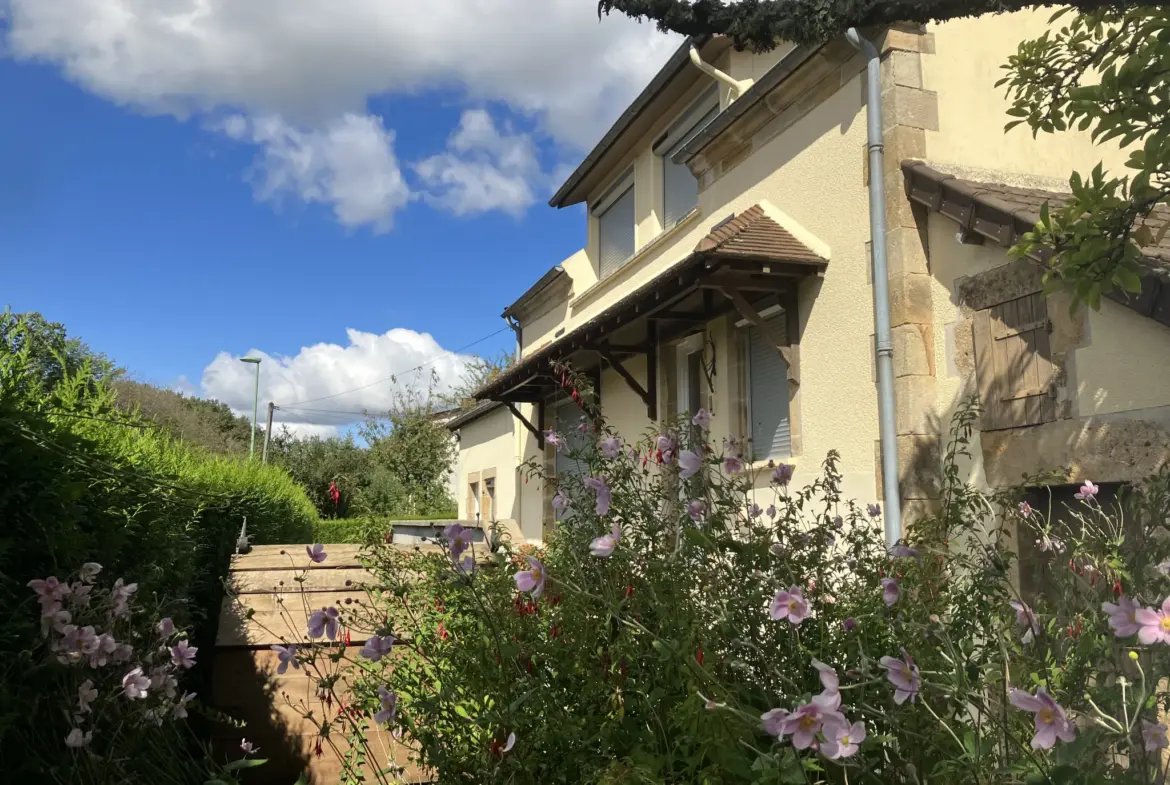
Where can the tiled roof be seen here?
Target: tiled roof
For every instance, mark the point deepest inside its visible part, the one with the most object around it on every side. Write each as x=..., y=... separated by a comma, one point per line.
x=753, y=235
x=1003, y=213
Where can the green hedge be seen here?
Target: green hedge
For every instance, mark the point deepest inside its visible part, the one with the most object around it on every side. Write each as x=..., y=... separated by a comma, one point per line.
x=359, y=530
x=78, y=487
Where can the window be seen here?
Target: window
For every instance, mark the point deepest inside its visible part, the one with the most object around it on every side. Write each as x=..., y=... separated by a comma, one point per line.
x=691, y=375
x=767, y=386
x=680, y=190
x=489, y=499
x=615, y=226
x=568, y=420
x=473, y=500
x=1013, y=363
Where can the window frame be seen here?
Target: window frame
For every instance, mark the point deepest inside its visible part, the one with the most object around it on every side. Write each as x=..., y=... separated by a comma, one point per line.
x=681, y=130
x=622, y=186
x=745, y=327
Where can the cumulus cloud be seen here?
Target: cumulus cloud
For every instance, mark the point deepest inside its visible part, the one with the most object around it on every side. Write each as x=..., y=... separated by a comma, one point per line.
x=311, y=61
x=363, y=365
x=485, y=168
x=349, y=165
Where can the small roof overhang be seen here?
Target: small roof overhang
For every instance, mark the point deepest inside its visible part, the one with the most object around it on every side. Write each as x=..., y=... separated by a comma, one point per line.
x=1003, y=213
x=750, y=254
x=468, y=416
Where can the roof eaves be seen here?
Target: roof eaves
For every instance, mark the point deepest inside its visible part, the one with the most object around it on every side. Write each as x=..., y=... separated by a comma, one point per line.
x=677, y=63
x=473, y=414
x=542, y=283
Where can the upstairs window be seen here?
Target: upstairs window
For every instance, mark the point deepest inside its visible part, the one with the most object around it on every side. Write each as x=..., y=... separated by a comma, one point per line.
x=615, y=226
x=680, y=190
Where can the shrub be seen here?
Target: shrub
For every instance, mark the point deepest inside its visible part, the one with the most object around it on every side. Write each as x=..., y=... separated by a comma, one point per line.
x=673, y=631
x=361, y=530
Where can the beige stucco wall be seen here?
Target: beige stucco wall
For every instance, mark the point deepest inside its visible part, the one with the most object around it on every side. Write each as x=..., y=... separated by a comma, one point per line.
x=963, y=71
x=1126, y=366
x=489, y=443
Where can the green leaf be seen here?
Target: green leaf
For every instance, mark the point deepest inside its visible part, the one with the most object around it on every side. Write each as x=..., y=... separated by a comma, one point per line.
x=246, y=763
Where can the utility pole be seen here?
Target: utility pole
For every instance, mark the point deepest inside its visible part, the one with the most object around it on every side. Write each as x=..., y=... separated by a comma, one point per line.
x=267, y=433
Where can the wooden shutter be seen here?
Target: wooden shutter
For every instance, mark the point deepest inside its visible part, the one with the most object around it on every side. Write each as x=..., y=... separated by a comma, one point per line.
x=1013, y=363
x=768, y=392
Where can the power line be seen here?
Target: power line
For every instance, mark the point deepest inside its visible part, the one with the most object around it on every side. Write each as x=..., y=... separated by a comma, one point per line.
x=403, y=373
x=298, y=410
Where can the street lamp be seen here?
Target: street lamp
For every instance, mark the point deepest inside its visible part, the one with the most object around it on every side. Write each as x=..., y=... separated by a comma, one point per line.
x=255, y=403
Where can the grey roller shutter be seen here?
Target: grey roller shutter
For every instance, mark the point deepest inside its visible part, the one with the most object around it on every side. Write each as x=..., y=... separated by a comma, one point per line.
x=680, y=188
x=768, y=393
x=616, y=234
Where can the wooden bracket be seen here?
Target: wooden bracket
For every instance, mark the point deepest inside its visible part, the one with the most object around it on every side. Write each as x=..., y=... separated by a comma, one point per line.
x=752, y=315
x=629, y=377
x=534, y=430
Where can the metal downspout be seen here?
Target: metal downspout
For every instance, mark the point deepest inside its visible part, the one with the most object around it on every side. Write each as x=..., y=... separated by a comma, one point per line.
x=887, y=429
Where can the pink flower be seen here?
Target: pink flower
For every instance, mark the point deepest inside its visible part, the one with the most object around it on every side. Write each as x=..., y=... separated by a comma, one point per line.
x=849, y=624
x=76, y=739
x=841, y=739
x=248, y=747
x=890, y=591
x=86, y=694
x=121, y=594
x=183, y=654
x=702, y=419
x=828, y=676
x=458, y=540
x=903, y=551
x=903, y=674
x=509, y=744
x=1154, y=736
x=324, y=622
x=1025, y=509
x=755, y=510
x=135, y=684
x=1046, y=542
x=771, y=510
x=165, y=627
x=89, y=571
x=553, y=438
x=874, y=510
x=288, y=656
x=602, y=547
x=104, y=650
x=773, y=721
x=377, y=647
x=689, y=463
x=1051, y=721
x=782, y=474
x=560, y=502
x=1155, y=624
x=532, y=579
x=316, y=552
x=732, y=464
x=604, y=496
x=1026, y=619
x=804, y=723
x=790, y=605
x=1087, y=492
x=666, y=447
x=389, y=707
x=611, y=448
x=696, y=508
x=1123, y=616
x=180, y=710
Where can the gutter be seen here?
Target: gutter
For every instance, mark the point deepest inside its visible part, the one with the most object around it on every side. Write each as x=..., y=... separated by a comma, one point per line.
x=887, y=424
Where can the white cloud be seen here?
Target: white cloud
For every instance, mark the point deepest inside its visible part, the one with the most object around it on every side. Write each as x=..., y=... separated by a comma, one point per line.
x=348, y=165
x=483, y=169
x=328, y=368
x=311, y=61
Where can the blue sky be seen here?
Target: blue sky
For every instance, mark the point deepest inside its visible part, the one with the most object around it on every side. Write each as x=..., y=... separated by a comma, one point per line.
x=176, y=217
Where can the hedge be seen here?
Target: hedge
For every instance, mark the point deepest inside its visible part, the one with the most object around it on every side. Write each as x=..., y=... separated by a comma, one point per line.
x=358, y=530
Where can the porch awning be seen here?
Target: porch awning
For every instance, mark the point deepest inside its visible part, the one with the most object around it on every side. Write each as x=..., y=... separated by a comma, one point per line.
x=745, y=257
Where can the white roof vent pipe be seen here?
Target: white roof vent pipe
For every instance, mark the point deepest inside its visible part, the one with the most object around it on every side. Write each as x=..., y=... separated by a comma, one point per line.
x=736, y=87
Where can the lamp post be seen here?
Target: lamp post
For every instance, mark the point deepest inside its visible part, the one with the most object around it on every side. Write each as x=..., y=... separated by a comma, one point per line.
x=255, y=403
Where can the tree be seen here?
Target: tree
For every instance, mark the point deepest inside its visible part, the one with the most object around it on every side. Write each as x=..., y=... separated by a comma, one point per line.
x=480, y=371
x=209, y=424
x=1093, y=242
x=52, y=354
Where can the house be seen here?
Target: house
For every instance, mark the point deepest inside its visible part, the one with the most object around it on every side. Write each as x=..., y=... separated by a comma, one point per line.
x=728, y=266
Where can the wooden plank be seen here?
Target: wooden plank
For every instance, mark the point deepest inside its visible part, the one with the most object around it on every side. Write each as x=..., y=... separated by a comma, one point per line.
x=254, y=581
x=294, y=557
x=985, y=369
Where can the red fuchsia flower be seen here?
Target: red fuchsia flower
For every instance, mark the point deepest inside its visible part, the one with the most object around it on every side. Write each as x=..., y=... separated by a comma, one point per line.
x=611, y=448
x=702, y=419
x=604, y=496
x=782, y=474
x=1154, y=736
x=560, y=501
x=287, y=656
x=699, y=655
x=389, y=707
x=324, y=622
x=874, y=510
x=316, y=552
x=689, y=463
x=903, y=674
x=602, y=547
x=443, y=634
x=553, y=438
x=891, y=592
x=532, y=579
x=629, y=590
x=334, y=493
x=1155, y=624
x=696, y=508
x=183, y=654
x=377, y=647
x=1123, y=616
x=1026, y=619
x=1087, y=492
x=841, y=739
x=790, y=605
x=732, y=464
x=135, y=684
x=1051, y=721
